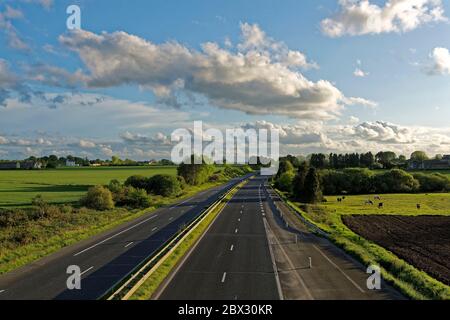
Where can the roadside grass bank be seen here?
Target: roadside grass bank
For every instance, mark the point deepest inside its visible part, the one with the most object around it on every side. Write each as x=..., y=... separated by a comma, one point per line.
x=152, y=283
x=29, y=240
x=410, y=281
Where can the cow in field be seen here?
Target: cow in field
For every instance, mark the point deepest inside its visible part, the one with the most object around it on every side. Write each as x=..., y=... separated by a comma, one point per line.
x=377, y=198
x=369, y=202
x=418, y=206
x=380, y=205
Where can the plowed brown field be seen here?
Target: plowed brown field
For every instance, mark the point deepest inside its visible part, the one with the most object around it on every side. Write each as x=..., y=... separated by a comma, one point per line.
x=423, y=241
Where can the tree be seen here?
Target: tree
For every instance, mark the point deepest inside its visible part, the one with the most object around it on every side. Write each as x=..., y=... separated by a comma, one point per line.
x=284, y=182
x=318, y=160
x=385, y=158
x=164, y=185
x=285, y=166
x=98, y=198
x=195, y=174
x=138, y=182
x=313, y=192
x=298, y=184
x=418, y=156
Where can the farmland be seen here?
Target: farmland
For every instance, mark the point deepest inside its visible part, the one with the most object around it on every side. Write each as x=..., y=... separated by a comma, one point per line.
x=423, y=241
x=66, y=185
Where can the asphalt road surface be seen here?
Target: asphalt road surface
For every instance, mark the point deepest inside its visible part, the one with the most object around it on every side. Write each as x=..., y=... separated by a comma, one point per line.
x=250, y=253
x=233, y=259
x=104, y=259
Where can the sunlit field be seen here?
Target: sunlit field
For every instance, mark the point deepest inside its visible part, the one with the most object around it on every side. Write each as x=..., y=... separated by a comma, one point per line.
x=18, y=187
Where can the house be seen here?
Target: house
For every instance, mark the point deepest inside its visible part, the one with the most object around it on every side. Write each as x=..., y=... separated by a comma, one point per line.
x=434, y=164
x=9, y=165
x=26, y=165
x=70, y=163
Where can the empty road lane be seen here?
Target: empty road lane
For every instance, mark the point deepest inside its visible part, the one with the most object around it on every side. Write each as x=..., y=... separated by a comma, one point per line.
x=107, y=258
x=233, y=260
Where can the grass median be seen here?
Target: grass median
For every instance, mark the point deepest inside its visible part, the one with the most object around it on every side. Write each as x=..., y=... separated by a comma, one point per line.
x=149, y=287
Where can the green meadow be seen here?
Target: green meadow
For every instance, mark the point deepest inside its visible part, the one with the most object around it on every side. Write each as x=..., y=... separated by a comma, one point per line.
x=65, y=185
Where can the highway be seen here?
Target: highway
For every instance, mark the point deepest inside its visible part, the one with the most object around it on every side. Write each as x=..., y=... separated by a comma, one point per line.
x=233, y=260
x=251, y=253
x=104, y=259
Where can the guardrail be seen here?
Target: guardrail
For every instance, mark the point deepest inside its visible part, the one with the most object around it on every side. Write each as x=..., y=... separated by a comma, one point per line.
x=309, y=224
x=124, y=288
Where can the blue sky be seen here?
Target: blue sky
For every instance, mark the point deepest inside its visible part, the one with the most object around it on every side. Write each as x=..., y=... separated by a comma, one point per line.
x=375, y=74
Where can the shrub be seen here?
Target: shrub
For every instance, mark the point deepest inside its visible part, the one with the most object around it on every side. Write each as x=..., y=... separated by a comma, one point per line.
x=98, y=198
x=164, y=185
x=284, y=182
x=432, y=182
x=137, y=198
x=138, y=182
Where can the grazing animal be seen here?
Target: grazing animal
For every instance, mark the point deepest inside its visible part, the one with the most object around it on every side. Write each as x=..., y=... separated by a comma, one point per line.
x=377, y=198
x=369, y=202
x=380, y=205
x=339, y=200
x=418, y=206
x=343, y=198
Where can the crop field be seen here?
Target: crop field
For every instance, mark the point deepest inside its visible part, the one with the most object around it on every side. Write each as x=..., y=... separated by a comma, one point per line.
x=423, y=241
x=18, y=187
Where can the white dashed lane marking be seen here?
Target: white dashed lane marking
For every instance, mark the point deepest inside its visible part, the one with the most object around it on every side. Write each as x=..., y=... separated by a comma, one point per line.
x=87, y=270
x=224, y=277
x=232, y=247
x=129, y=244
x=154, y=229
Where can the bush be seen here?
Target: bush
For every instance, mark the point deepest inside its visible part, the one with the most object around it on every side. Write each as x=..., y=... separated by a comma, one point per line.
x=395, y=181
x=98, y=198
x=284, y=182
x=138, y=182
x=137, y=198
x=164, y=185
x=195, y=174
x=432, y=182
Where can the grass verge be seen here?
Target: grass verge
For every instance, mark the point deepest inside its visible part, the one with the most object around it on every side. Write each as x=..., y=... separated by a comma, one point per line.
x=148, y=288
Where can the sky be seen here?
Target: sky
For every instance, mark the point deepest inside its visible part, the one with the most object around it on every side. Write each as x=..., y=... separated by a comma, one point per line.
x=332, y=76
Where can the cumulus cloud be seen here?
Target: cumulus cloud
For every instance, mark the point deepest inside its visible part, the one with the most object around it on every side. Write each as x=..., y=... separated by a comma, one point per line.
x=14, y=40
x=261, y=77
x=308, y=137
x=440, y=62
x=360, y=17
x=87, y=144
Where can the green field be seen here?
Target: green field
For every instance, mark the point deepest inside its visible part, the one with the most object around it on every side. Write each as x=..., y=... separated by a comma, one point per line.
x=18, y=187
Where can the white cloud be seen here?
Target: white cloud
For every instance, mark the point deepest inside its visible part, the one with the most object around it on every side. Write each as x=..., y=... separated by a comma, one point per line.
x=87, y=144
x=6, y=18
x=262, y=77
x=440, y=62
x=360, y=17
x=360, y=73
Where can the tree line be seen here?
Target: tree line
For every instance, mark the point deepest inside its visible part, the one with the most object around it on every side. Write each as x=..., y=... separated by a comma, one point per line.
x=308, y=184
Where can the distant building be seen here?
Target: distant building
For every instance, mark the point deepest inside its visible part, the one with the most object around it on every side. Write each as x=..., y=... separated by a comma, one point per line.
x=70, y=163
x=10, y=165
x=434, y=164
x=25, y=165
